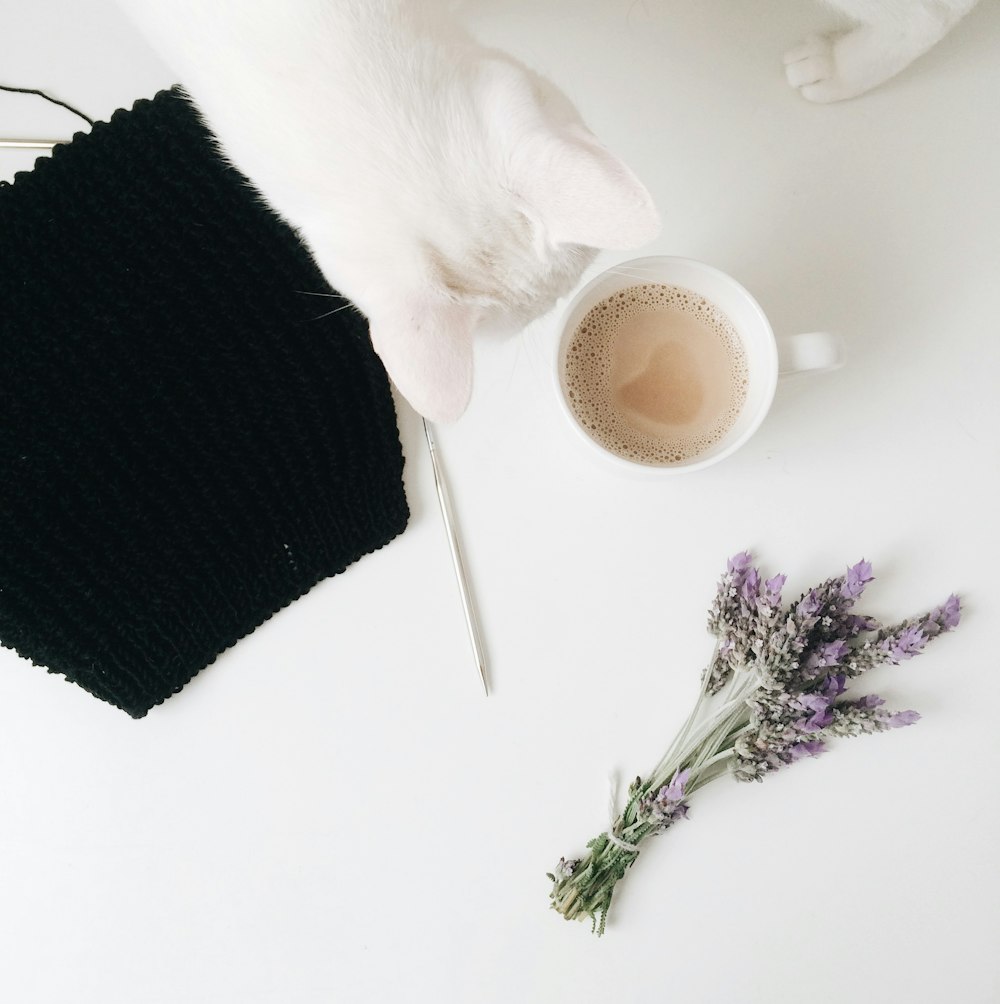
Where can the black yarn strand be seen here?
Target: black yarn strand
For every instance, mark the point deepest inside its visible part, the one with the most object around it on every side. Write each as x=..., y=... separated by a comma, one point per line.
x=48, y=97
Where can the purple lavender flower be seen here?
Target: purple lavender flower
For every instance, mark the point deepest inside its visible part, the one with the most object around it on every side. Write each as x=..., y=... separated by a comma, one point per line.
x=674, y=791
x=667, y=805
x=804, y=748
x=741, y=620
x=903, y=641
x=564, y=869
x=763, y=756
x=904, y=645
x=811, y=702
x=819, y=703
x=943, y=618
x=772, y=589
x=902, y=718
x=809, y=605
x=788, y=668
x=869, y=701
x=725, y=608
x=855, y=624
x=866, y=715
x=833, y=685
x=820, y=617
x=804, y=658
x=817, y=721
x=751, y=587
x=739, y=563
x=826, y=654
x=858, y=576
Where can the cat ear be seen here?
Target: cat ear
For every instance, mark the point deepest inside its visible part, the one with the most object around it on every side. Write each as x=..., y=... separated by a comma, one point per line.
x=425, y=344
x=581, y=193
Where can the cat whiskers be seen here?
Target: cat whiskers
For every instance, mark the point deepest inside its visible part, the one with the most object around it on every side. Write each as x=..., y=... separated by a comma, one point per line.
x=640, y=274
x=518, y=343
x=533, y=350
x=626, y=267
x=347, y=305
x=336, y=310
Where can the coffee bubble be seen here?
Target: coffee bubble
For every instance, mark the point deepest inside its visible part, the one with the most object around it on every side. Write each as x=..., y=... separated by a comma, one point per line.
x=656, y=374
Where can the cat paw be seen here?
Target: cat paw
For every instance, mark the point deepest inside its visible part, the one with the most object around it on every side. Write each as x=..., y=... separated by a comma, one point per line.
x=828, y=68
x=810, y=68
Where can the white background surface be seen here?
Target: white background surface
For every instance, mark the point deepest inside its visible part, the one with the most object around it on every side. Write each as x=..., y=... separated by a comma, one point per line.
x=334, y=812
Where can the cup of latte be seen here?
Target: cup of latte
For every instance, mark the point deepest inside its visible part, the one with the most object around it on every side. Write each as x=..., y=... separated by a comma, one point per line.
x=667, y=365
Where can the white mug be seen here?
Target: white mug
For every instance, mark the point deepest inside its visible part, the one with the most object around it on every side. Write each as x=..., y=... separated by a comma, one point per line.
x=767, y=357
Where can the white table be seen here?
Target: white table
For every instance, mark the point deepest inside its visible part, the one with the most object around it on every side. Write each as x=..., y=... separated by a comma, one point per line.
x=334, y=812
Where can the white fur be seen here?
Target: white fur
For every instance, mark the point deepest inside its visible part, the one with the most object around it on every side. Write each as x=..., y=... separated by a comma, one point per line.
x=437, y=183
x=887, y=37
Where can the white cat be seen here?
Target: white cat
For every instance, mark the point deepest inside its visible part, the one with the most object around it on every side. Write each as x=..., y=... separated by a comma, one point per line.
x=888, y=36
x=438, y=183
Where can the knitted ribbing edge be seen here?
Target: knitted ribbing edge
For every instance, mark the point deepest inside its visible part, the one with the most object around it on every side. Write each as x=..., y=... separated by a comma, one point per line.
x=186, y=446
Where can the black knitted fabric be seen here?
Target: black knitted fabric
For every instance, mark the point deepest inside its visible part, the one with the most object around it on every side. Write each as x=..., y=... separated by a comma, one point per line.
x=185, y=446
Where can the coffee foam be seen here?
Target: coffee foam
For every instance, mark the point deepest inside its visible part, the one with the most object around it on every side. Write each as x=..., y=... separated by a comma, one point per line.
x=672, y=435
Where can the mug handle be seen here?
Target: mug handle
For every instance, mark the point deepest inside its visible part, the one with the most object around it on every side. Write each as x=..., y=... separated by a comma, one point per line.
x=811, y=352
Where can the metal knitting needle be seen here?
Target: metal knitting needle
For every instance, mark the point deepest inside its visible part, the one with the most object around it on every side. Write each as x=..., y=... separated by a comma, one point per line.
x=444, y=499
x=29, y=144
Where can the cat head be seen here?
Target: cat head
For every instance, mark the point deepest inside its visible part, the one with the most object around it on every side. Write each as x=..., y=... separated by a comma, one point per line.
x=522, y=195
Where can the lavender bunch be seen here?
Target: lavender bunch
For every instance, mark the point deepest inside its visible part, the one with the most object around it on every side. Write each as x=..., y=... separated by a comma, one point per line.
x=773, y=693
